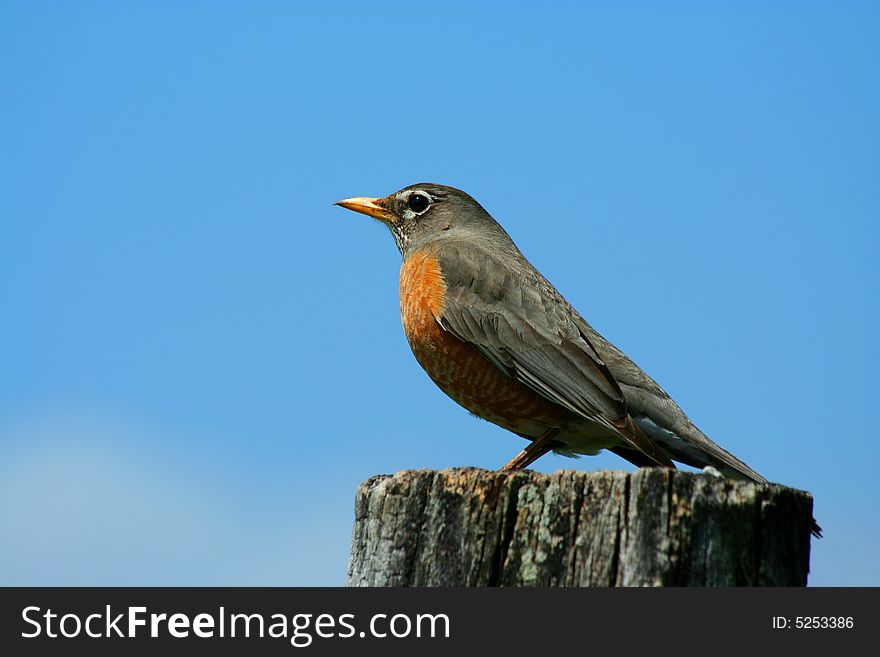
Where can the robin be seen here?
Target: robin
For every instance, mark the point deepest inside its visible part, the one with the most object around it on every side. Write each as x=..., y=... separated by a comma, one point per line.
x=500, y=340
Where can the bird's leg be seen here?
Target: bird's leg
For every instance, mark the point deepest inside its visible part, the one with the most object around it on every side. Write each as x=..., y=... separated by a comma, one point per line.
x=536, y=449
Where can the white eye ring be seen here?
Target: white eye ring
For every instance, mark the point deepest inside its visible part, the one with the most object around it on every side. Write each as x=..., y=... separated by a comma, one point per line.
x=418, y=201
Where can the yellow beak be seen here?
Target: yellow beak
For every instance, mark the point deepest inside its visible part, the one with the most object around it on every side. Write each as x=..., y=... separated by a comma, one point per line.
x=369, y=206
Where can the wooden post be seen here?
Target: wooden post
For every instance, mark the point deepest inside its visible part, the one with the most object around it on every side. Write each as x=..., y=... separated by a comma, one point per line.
x=654, y=527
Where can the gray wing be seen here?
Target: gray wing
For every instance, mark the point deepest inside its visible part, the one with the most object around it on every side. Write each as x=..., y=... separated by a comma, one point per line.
x=662, y=420
x=518, y=321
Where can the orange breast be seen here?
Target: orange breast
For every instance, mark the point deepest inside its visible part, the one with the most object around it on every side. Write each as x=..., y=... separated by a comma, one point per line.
x=456, y=367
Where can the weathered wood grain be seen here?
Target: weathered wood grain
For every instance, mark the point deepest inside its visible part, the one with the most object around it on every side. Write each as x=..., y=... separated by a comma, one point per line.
x=654, y=527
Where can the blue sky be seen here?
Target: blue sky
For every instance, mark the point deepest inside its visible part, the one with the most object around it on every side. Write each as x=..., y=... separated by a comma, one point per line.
x=202, y=357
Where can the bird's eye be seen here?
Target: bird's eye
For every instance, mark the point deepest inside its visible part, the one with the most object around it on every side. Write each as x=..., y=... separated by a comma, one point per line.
x=418, y=202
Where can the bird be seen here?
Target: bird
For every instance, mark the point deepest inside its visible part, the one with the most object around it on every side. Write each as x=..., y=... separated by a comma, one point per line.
x=499, y=339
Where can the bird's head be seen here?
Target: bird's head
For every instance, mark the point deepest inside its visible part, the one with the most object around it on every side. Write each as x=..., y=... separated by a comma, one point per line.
x=421, y=214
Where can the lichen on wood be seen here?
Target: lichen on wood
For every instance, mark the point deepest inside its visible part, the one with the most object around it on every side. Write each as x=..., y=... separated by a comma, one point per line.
x=654, y=527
